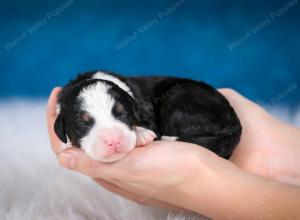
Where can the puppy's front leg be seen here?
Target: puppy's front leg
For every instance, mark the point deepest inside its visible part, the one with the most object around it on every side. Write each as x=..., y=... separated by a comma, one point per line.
x=144, y=136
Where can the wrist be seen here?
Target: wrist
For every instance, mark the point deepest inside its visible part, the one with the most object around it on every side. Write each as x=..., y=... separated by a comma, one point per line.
x=220, y=190
x=215, y=178
x=205, y=184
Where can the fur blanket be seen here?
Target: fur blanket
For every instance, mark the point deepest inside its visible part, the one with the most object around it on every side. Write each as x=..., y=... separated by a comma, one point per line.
x=33, y=186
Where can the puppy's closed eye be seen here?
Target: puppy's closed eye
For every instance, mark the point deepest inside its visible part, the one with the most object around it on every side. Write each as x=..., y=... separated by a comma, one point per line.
x=119, y=108
x=86, y=117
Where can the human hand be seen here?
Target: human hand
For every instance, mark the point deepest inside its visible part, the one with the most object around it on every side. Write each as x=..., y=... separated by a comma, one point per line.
x=88, y=166
x=148, y=175
x=251, y=154
x=268, y=147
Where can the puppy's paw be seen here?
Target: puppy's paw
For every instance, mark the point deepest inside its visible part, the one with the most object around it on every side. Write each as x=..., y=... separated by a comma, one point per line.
x=144, y=136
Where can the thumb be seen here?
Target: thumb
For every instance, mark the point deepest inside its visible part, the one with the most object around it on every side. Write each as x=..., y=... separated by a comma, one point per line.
x=75, y=159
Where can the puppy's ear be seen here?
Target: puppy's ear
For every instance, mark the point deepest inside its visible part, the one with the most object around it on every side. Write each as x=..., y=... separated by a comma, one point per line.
x=59, y=129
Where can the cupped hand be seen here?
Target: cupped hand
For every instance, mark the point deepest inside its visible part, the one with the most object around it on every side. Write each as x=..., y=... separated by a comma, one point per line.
x=103, y=173
x=268, y=146
x=154, y=174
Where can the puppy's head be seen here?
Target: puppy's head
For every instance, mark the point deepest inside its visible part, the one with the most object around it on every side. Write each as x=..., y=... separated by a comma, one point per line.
x=99, y=117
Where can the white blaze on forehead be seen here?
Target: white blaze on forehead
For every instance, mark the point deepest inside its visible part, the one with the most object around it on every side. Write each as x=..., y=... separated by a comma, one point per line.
x=115, y=80
x=98, y=102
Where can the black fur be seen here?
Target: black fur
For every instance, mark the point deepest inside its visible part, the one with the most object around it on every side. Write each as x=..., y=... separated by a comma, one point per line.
x=191, y=110
x=68, y=122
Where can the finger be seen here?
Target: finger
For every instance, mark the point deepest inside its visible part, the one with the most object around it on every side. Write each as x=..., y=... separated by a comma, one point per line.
x=75, y=159
x=241, y=105
x=134, y=197
x=236, y=99
x=51, y=117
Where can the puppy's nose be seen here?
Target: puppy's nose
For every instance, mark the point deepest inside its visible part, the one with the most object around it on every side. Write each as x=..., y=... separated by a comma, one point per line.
x=112, y=143
x=112, y=138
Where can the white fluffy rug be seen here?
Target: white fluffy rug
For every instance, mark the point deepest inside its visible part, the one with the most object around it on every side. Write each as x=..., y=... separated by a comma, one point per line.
x=33, y=186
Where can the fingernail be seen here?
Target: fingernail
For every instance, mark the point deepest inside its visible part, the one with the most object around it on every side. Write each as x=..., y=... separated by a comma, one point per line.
x=67, y=160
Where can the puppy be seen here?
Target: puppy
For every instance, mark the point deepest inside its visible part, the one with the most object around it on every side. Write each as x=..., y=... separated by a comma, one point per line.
x=107, y=115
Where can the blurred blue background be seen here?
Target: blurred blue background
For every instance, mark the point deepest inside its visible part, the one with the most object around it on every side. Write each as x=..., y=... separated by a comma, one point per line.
x=251, y=46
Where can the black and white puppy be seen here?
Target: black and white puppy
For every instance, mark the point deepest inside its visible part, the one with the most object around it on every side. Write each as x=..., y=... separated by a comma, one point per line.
x=107, y=115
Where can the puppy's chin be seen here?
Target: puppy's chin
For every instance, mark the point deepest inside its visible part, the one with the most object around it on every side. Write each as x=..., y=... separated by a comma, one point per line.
x=108, y=159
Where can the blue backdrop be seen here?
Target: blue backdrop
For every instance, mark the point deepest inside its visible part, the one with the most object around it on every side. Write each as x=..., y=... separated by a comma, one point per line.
x=251, y=46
